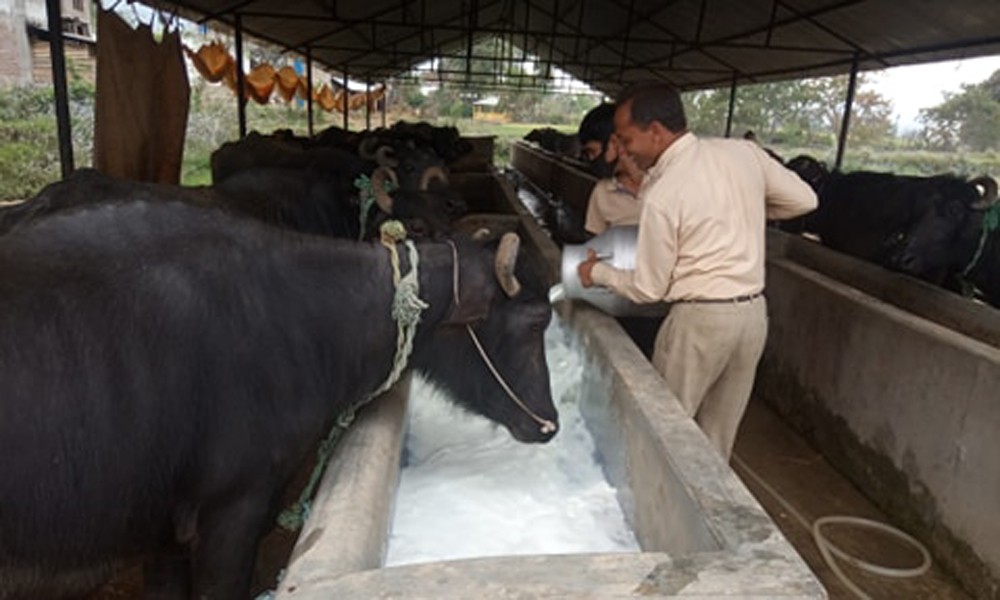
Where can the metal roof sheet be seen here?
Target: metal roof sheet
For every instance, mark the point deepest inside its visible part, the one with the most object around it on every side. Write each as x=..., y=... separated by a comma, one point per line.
x=693, y=44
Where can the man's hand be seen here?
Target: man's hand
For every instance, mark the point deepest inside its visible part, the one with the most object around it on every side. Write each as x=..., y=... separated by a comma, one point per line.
x=583, y=270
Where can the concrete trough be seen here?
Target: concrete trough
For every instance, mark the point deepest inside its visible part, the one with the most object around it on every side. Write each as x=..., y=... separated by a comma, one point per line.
x=892, y=379
x=700, y=530
x=895, y=381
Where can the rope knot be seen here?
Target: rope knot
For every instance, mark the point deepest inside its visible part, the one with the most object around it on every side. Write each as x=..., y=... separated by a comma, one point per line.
x=392, y=232
x=407, y=305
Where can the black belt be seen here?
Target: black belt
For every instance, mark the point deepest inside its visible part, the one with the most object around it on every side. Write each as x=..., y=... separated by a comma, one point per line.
x=734, y=300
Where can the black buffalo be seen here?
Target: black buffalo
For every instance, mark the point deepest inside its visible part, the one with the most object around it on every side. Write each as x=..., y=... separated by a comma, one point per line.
x=904, y=223
x=166, y=368
x=310, y=200
x=555, y=141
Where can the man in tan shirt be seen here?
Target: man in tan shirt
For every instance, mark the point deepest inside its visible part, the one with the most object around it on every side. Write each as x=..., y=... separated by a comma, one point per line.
x=613, y=198
x=701, y=248
x=615, y=201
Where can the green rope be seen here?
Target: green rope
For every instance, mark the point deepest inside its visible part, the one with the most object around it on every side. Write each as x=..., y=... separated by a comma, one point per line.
x=991, y=222
x=363, y=184
x=406, y=310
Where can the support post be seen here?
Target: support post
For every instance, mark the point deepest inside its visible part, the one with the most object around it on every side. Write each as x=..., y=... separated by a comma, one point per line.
x=845, y=123
x=241, y=92
x=368, y=105
x=732, y=107
x=309, y=87
x=347, y=92
x=384, y=101
x=58, y=55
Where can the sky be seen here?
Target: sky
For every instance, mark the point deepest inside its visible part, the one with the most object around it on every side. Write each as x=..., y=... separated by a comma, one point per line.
x=923, y=86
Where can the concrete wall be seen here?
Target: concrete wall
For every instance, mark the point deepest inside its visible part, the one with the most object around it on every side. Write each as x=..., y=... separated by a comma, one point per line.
x=906, y=407
x=15, y=53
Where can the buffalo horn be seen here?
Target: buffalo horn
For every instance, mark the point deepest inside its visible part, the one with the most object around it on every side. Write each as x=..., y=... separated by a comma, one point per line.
x=505, y=260
x=431, y=173
x=989, y=195
x=366, y=147
x=384, y=156
x=382, y=197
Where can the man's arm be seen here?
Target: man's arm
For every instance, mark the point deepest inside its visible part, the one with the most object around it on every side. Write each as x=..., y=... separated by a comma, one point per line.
x=655, y=256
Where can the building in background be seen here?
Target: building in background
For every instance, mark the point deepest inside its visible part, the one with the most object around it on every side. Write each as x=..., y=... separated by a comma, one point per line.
x=24, y=41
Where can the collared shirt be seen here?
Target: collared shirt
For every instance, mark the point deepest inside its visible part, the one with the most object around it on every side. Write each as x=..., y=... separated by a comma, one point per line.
x=610, y=203
x=701, y=230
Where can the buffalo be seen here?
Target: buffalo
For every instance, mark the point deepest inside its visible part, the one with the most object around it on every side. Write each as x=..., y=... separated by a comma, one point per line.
x=922, y=226
x=311, y=200
x=167, y=367
x=555, y=141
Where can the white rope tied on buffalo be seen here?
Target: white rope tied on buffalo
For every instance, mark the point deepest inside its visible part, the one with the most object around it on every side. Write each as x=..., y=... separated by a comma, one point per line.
x=406, y=303
x=406, y=310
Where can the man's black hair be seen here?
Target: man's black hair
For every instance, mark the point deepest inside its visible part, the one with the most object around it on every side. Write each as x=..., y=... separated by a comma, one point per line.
x=655, y=101
x=598, y=124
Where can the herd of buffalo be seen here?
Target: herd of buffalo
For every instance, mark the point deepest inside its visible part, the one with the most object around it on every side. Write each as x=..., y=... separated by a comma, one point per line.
x=170, y=356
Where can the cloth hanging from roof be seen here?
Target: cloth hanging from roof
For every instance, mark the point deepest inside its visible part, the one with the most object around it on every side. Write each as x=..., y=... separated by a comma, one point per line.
x=215, y=64
x=141, y=104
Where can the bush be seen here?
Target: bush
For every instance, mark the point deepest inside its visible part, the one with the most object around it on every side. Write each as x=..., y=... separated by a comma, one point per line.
x=25, y=168
x=29, y=143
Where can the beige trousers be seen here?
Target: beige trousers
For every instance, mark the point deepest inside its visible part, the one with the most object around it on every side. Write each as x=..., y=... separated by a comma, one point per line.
x=708, y=355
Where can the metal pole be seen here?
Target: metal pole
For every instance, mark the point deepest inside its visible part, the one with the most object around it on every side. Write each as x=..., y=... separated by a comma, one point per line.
x=309, y=86
x=346, y=94
x=732, y=107
x=384, y=101
x=845, y=123
x=58, y=56
x=368, y=105
x=241, y=93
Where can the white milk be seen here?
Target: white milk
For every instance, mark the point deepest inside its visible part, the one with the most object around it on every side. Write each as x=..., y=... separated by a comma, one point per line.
x=469, y=489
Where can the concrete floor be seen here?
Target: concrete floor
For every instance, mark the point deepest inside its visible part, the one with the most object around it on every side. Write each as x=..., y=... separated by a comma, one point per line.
x=785, y=462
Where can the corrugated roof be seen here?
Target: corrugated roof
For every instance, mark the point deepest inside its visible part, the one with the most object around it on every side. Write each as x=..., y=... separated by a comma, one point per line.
x=608, y=44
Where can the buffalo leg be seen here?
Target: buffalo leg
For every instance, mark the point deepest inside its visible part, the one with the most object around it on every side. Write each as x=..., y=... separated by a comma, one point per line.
x=226, y=548
x=168, y=576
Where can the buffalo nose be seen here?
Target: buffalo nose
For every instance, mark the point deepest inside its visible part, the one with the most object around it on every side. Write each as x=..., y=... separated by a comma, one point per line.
x=909, y=263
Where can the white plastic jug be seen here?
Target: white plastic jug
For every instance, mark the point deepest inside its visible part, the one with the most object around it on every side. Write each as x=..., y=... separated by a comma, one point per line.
x=615, y=246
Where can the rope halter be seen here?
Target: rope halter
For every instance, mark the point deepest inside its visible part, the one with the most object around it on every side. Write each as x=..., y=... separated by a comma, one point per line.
x=406, y=309
x=547, y=426
x=991, y=222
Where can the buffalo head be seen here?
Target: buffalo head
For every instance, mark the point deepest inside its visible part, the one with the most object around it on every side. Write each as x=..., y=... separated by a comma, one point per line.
x=490, y=352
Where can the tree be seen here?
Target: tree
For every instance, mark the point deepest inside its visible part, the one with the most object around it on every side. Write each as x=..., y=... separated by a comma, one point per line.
x=805, y=112
x=969, y=119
